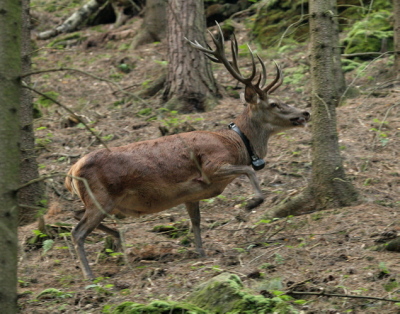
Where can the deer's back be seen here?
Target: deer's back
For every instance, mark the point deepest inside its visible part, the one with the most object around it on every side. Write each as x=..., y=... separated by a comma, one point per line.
x=154, y=175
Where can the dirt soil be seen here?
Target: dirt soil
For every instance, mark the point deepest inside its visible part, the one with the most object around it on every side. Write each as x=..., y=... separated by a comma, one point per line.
x=329, y=251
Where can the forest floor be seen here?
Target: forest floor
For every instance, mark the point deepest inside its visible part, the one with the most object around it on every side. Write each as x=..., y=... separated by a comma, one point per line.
x=332, y=251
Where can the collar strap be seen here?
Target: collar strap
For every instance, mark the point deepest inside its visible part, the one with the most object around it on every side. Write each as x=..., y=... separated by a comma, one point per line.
x=256, y=163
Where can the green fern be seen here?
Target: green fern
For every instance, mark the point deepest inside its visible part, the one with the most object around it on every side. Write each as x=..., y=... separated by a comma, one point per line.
x=367, y=35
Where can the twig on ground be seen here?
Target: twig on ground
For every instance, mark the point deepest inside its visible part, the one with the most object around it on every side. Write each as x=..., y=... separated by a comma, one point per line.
x=257, y=257
x=70, y=112
x=324, y=294
x=120, y=89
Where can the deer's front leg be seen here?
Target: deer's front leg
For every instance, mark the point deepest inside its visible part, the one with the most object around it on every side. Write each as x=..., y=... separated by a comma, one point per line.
x=233, y=170
x=194, y=214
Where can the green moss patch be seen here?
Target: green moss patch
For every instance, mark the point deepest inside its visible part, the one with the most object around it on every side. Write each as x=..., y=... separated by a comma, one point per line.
x=158, y=307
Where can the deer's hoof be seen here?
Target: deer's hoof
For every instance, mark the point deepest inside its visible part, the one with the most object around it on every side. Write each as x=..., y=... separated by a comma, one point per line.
x=254, y=202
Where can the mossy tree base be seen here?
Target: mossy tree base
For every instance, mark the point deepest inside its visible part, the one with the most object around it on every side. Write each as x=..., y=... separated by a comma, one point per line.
x=328, y=187
x=191, y=103
x=309, y=201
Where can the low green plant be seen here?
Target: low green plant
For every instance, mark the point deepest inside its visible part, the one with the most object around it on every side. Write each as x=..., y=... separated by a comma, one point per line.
x=349, y=65
x=278, y=258
x=383, y=268
x=145, y=112
x=164, y=63
x=146, y=82
x=367, y=34
x=381, y=135
x=44, y=101
x=103, y=290
x=173, y=232
x=108, y=137
x=23, y=284
x=47, y=245
x=111, y=252
x=171, y=118
x=296, y=76
x=124, y=67
x=116, y=76
x=43, y=142
x=391, y=285
x=53, y=293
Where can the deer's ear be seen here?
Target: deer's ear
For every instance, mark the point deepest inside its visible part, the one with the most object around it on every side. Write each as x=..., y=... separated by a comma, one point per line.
x=250, y=95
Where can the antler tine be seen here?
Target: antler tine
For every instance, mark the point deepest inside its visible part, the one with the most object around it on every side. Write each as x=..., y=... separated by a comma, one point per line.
x=264, y=72
x=209, y=53
x=253, y=65
x=257, y=85
x=195, y=44
x=235, y=50
x=218, y=56
x=271, y=87
x=232, y=67
x=280, y=80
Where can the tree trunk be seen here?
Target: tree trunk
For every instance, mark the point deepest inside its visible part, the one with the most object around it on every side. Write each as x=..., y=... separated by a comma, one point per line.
x=10, y=95
x=338, y=74
x=328, y=186
x=154, y=24
x=396, y=14
x=190, y=84
x=33, y=194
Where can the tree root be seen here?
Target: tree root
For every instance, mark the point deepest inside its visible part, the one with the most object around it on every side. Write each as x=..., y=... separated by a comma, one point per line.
x=297, y=205
x=154, y=87
x=143, y=37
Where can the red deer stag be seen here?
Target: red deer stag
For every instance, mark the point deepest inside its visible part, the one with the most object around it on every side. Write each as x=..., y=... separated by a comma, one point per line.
x=151, y=176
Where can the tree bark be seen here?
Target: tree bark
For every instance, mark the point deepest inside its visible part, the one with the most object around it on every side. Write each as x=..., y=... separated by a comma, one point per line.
x=31, y=195
x=154, y=24
x=328, y=187
x=10, y=95
x=338, y=74
x=396, y=14
x=190, y=84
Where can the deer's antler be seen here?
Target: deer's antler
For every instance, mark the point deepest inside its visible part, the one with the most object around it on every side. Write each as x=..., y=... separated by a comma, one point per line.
x=218, y=55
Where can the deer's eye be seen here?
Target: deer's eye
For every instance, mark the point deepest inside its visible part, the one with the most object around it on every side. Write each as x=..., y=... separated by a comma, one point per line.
x=274, y=105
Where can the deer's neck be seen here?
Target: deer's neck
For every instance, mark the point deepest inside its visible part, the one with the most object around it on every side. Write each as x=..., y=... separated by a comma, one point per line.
x=257, y=132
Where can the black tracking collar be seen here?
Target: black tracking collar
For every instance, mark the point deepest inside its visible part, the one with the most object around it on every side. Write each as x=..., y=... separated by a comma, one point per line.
x=256, y=163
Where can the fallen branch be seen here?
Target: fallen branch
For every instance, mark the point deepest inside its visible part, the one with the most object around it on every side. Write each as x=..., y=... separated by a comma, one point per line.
x=324, y=294
x=120, y=89
x=362, y=54
x=74, y=20
x=83, y=180
x=70, y=112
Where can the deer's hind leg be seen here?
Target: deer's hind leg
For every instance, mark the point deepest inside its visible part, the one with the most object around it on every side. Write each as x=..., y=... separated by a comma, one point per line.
x=90, y=219
x=115, y=233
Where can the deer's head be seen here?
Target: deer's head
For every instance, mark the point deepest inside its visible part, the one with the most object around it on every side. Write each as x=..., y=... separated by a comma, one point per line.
x=261, y=107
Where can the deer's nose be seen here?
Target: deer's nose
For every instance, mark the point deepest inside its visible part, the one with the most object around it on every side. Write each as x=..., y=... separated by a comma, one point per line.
x=306, y=114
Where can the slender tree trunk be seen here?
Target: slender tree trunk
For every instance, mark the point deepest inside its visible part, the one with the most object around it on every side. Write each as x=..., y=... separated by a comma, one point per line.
x=10, y=93
x=190, y=83
x=328, y=172
x=338, y=74
x=154, y=23
x=396, y=14
x=328, y=186
x=33, y=194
